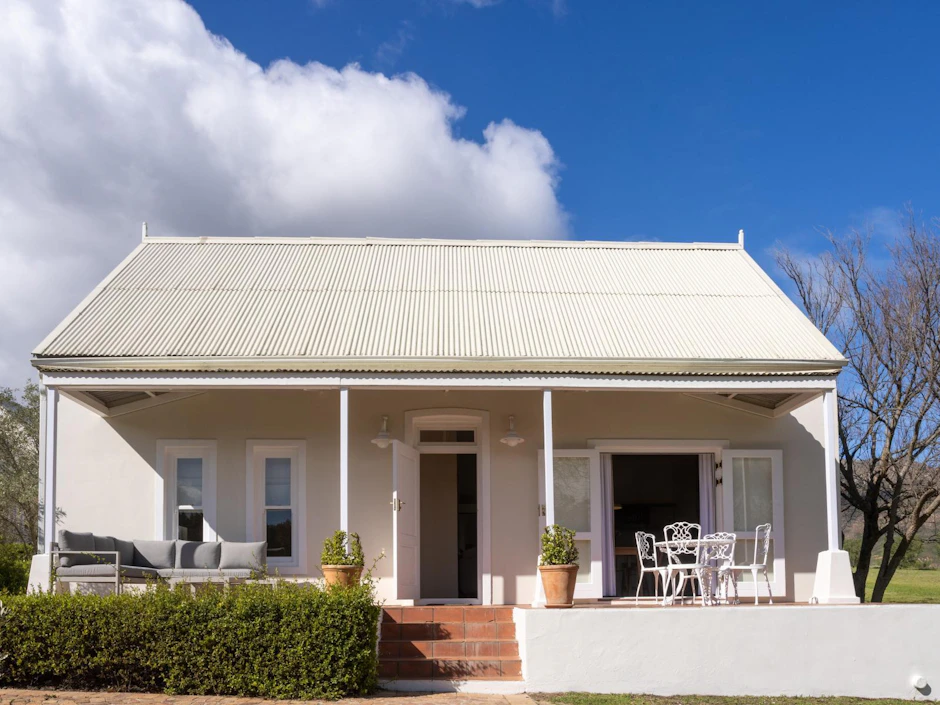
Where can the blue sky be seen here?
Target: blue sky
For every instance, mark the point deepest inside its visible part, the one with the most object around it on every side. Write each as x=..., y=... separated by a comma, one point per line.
x=448, y=118
x=673, y=121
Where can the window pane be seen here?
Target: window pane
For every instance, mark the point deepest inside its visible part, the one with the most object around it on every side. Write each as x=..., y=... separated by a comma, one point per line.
x=573, y=493
x=190, y=525
x=584, y=561
x=278, y=532
x=277, y=482
x=189, y=482
x=442, y=436
x=753, y=492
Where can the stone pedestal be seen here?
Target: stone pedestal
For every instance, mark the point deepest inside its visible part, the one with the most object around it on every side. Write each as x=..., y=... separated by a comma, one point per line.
x=40, y=573
x=834, y=584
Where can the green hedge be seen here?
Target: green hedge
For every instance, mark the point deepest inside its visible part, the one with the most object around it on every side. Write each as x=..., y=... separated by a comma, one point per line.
x=14, y=567
x=296, y=641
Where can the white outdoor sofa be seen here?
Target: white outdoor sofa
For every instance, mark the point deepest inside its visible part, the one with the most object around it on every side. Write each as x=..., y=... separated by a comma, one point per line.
x=90, y=558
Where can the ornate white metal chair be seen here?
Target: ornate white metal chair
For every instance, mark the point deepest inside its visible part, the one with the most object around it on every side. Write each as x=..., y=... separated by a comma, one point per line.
x=761, y=549
x=717, y=554
x=682, y=539
x=649, y=563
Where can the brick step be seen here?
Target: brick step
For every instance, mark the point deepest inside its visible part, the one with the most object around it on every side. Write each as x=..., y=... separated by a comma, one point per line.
x=448, y=649
x=447, y=614
x=449, y=631
x=451, y=668
x=449, y=642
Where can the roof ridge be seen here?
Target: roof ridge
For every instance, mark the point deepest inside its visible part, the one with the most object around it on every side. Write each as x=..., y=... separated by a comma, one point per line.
x=455, y=242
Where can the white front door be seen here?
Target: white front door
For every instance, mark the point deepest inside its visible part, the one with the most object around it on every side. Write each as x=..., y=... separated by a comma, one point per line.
x=405, y=520
x=577, y=499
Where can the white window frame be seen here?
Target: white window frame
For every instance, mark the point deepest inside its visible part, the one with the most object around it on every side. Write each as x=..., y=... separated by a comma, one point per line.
x=166, y=509
x=256, y=452
x=777, y=532
x=593, y=589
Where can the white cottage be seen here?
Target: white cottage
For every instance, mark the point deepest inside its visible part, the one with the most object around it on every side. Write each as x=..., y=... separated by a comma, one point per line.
x=424, y=393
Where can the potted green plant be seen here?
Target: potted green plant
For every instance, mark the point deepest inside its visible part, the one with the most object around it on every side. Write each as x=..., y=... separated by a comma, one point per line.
x=558, y=566
x=342, y=559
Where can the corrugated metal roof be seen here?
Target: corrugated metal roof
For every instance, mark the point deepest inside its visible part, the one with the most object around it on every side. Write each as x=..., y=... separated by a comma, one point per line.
x=403, y=305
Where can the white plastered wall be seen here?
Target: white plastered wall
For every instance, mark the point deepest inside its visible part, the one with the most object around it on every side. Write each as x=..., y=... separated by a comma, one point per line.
x=800, y=650
x=106, y=466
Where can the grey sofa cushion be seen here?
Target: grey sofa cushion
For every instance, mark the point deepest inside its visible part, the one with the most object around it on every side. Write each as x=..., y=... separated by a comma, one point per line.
x=198, y=554
x=126, y=549
x=75, y=541
x=104, y=570
x=104, y=543
x=217, y=574
x=154, y=554
x=240, y=555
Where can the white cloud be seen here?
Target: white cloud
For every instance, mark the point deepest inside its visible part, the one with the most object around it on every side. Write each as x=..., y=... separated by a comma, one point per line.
x=112, y=113
x=390, y=51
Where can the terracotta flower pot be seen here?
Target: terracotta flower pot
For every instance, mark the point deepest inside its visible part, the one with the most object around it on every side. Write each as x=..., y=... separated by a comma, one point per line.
x=558, y=582
x=343, y=575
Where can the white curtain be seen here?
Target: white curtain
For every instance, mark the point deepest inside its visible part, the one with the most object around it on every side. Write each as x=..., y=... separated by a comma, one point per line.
x=607, y=525
x=706, y=492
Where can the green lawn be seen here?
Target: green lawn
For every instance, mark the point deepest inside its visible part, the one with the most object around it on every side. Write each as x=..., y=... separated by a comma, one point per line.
x=589, y=699
x=910, y=586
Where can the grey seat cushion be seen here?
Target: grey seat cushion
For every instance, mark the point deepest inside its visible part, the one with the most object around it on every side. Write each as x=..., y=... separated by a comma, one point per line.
x=104, y=570
x=198, y=554
x=75, y=541
x=217, y=574
x=154, y=554
x=238, y=555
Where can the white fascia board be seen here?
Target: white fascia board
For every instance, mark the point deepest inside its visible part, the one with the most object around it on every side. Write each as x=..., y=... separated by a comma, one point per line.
x=168, y=381
x=400, y=366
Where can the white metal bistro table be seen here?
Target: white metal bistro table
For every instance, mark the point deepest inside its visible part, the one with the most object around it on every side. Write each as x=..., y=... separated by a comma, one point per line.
x=664, y=547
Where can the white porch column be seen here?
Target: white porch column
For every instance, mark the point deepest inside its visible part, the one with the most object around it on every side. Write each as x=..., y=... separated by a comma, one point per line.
x=831, y=431
x=344, y=459
x=833, y=583
x=40, y=569
x=549, y=457
x=49, y=467
x=41, y=499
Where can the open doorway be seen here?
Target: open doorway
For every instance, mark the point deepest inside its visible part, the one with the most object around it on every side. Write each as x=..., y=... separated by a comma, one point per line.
x=649, y=492
x=448, y=527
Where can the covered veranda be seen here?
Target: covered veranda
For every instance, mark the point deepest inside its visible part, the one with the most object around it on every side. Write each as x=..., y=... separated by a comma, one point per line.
x=111, y=395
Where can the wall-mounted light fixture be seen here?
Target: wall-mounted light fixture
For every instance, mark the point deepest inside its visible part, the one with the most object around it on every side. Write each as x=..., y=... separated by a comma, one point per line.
x=383, y=439
x=512, y=439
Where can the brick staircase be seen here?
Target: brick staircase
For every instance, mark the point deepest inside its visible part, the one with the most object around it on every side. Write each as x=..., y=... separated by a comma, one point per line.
x=449, y=643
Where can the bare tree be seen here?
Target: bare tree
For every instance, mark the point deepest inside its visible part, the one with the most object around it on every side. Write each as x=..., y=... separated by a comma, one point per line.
x=882, y=309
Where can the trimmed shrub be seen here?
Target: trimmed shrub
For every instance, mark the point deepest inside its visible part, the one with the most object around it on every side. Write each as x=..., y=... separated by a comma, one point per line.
x=295, y=641
x=14, y=567
x=337, y=550
x=558, y=547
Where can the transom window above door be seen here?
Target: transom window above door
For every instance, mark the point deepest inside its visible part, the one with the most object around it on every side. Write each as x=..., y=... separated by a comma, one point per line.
x=430, y=435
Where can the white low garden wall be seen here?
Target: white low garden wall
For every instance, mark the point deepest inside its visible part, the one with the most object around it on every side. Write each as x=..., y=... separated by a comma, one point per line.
x=813, y=650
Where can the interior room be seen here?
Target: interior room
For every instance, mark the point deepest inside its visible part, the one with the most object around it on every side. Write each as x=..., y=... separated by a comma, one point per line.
x=649, y=492
x=448, y=497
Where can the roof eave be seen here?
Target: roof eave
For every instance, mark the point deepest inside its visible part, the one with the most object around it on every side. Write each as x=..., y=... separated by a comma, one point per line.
x=439, y=364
